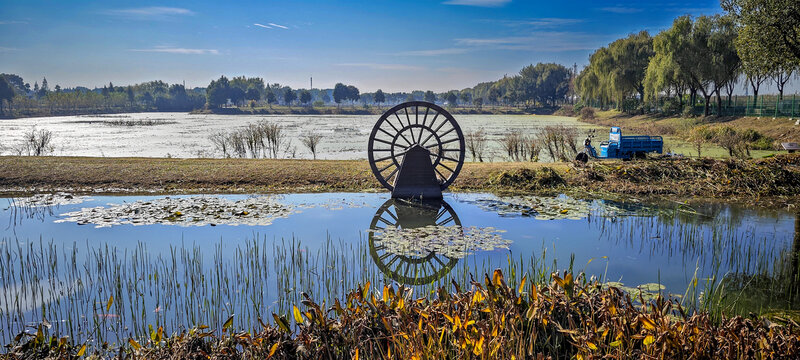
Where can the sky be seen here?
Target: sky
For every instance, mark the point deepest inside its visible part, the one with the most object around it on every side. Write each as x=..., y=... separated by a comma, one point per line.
x=392, y=45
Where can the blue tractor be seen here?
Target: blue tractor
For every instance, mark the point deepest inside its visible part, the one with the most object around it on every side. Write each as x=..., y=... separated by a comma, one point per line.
x=621, y=147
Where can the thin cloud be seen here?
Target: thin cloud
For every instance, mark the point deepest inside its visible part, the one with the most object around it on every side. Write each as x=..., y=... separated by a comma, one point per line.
x=278, y=26
x=621, y=9
x=545, y=41
x=12, y=22
x=7, y=49
x=263, y=26
x=151, y=12
x=434, y=52
x=481, y=3
x=174, y=50
x=539, y=23
x=375, y=66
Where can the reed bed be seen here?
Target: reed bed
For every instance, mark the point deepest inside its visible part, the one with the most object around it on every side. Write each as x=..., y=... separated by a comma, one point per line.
x=567, y=318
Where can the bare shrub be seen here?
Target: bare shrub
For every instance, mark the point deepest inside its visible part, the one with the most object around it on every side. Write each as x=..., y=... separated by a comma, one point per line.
x=476, y=144
x=36, y=143
x=311, y=141
x=274, y=135
x=260, y=140
x=220, y=141
x=532, y=147
x=561, y=142
x=513, y=144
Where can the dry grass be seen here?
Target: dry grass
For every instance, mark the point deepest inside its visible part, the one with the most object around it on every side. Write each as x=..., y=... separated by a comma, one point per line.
x=730, y=178
x=131, y=175
x=780, y=129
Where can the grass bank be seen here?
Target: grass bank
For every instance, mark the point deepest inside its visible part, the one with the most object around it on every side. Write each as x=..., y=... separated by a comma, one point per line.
x=678, y=130
x=771, y=178
x=567, y=318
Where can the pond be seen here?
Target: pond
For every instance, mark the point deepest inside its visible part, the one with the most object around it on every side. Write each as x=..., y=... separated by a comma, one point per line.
x=106, y=268
x=344, y=137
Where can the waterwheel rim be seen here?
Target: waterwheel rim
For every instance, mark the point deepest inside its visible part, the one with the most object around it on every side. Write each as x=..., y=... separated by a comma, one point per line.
x=416, y=123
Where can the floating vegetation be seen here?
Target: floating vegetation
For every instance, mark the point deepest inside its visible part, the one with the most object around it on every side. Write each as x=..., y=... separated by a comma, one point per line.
x=184, y=211
x=560, y=207
x=450, y=241
x=648, y=292
x=43, y=200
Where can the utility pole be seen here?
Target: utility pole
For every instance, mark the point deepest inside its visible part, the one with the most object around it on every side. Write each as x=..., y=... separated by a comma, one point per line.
x=312, y=83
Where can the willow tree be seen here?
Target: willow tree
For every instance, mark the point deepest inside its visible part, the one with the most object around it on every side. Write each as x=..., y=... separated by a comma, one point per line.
x=619, y=69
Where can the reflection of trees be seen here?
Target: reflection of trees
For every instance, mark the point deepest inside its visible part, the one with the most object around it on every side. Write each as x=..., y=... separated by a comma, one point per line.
x=776, y=288
x=411, y=270
x=715, y=234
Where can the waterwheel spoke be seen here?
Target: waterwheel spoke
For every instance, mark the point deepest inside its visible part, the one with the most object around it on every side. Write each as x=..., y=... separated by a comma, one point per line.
x=390, y=175
x=442, y=212
x=446, y=167
x=391, y=156
x=393, y=216
x=445, y=221
x=436, y=131
x=448, y=158
x=442, y=143
x=410, y=129
x=444, y=178
x=401, y=128
x=386, y=167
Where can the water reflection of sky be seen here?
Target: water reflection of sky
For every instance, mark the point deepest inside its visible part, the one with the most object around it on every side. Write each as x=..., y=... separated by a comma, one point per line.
x=659, y=245
x=640, y=249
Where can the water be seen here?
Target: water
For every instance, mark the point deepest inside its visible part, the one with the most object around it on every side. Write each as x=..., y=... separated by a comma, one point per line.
x=185, y=136
x=188, y=260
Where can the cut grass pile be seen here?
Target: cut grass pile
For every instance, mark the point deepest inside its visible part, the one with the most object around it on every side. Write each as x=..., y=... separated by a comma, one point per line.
x=569, y=318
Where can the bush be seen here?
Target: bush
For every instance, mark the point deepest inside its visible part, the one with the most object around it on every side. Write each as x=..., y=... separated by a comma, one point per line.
x=587, y=113
x=671, y=106
x=687, y=111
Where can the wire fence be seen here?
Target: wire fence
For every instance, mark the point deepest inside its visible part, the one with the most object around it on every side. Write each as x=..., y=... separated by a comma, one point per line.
x=737, y=105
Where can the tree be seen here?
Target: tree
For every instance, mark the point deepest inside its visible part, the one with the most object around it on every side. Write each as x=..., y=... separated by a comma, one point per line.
x=17, y=83
x=380, y=97
x=130, y=94
x=217, y=93
x=352, y=93
x=465, y=97
x=478, y=102
x=271, y=98
x=618, y=71
x=430, y=96
x=451, y=98
x=6, y=94
x=339, y=93
x=768, y=29
x=289, y=96
x=305, y=97
x=43, y=89
x=494, y=94
x=253, y=94
x=237, y=95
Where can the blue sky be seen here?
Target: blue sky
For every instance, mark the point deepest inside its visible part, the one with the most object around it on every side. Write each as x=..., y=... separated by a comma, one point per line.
x=393, y=45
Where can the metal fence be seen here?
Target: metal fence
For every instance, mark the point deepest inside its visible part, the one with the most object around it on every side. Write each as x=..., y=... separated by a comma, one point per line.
x=738, y=105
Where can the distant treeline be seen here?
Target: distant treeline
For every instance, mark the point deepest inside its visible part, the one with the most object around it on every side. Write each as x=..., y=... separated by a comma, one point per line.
x=536, y=85
x=698, y=60
x=19, y=99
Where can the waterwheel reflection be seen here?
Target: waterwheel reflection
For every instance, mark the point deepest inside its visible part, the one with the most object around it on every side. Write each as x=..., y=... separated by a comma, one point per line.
x=422, y=267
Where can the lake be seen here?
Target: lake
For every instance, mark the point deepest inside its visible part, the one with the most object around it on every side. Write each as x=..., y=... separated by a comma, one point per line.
x=186, y=136
x=106, y=268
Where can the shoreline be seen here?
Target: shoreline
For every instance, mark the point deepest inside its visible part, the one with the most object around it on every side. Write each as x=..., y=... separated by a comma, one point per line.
x=770, y=182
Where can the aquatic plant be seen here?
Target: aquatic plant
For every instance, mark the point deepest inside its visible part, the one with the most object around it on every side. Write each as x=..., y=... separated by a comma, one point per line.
x=567, y=318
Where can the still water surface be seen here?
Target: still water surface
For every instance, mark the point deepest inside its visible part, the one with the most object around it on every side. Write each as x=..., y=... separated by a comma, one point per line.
x=190, y=260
